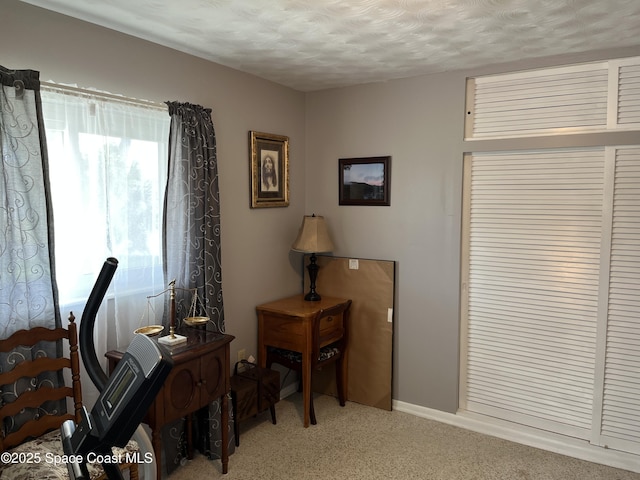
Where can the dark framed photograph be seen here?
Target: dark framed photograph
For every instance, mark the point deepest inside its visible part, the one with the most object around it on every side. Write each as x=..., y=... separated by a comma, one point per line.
x=269, y=170
x=365, y=181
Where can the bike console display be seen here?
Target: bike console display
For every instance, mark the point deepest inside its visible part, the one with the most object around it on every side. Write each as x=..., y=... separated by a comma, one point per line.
x=131, y=390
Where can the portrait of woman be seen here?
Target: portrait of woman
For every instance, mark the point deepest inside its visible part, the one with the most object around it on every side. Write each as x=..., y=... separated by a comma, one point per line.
x=269, y=171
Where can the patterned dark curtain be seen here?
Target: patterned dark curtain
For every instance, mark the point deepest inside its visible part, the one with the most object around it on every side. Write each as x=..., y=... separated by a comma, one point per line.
x=191, y=250
x=28, y=291
x=191, y=253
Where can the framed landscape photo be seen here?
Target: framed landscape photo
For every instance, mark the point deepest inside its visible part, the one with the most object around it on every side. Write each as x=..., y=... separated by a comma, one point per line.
x=365, y=181
x=269, y=170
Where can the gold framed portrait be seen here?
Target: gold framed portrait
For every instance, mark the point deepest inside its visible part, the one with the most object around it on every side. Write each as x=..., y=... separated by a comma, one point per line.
x=269, y=162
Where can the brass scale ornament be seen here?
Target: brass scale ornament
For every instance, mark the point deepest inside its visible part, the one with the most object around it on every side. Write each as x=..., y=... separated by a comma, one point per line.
x=191, y=319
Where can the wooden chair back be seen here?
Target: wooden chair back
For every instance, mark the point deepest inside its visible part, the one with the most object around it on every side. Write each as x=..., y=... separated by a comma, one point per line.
x=40, y=394
x=44, y=428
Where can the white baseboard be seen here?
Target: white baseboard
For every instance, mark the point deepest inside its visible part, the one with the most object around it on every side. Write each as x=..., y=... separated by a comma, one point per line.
x=527, y=436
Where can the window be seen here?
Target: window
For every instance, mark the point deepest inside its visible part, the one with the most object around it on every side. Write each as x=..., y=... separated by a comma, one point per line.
x=107, y=169
x=108, y=172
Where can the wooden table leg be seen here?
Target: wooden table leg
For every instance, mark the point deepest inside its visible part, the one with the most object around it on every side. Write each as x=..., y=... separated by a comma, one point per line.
x=224, y=425
x=156, y=441
x=189, y=433
x=306, y=387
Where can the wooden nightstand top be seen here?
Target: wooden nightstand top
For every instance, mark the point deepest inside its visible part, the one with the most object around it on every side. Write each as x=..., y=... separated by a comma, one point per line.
x=297, y=306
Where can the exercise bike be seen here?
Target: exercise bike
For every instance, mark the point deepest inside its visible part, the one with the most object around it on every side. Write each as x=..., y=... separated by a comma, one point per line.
x=124, y=397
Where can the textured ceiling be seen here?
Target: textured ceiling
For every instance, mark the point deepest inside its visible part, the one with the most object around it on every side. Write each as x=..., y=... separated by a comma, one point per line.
x=316, y=44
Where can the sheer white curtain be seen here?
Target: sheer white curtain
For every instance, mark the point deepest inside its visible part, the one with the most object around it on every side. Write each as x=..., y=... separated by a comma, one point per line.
x=108, y=162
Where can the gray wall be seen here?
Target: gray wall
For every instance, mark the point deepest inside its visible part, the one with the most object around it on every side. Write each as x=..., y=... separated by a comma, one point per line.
x=418, y=121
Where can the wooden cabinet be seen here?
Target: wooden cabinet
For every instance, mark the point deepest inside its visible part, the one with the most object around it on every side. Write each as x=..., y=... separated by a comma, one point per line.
x=193, y=384
x=200, y=375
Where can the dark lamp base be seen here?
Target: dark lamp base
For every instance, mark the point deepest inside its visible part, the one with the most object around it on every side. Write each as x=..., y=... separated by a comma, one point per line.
x=312, y=297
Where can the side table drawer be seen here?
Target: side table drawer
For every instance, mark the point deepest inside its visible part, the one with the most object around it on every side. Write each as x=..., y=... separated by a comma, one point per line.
x=331, y=329
x=284, y=332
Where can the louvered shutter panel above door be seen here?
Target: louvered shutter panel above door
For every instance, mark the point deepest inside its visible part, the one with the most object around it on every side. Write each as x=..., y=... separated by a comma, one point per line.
x=580, y=98
x=534, y=242
x=628, y=89
x=540, y=102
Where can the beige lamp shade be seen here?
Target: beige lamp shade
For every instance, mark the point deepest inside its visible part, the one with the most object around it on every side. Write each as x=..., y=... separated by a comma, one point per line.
x=313, y=236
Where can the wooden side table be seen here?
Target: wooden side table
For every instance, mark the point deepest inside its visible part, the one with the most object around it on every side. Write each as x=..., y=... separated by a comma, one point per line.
x=200, y=375
x=288, y=323
x=253, y=391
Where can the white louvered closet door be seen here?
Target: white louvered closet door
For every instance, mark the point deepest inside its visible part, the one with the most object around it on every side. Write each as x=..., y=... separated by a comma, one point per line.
x=550, y=310
x=530, y=317
x=620, y=421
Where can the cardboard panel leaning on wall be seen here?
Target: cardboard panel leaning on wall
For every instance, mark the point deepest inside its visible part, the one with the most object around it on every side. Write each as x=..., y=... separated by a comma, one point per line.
x=371, y=287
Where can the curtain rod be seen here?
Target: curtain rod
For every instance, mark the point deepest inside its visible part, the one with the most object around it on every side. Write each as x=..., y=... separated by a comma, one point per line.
x=51, y=86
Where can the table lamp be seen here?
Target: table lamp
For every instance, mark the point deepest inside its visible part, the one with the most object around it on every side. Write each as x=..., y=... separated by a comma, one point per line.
x=313, y=238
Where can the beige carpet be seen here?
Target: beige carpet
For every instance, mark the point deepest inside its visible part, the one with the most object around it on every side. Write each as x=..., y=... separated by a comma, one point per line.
x=358, y=442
